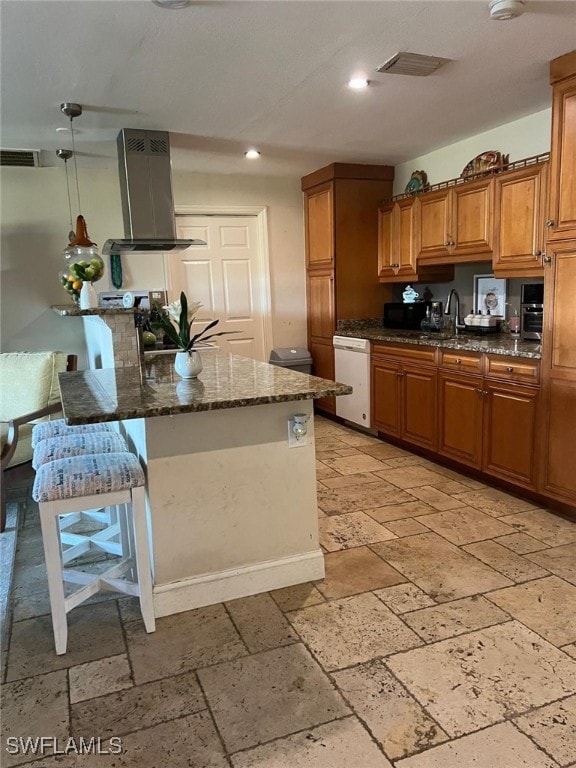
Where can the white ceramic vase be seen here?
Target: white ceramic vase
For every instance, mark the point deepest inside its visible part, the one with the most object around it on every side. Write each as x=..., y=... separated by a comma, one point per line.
x=188, y=364
x=88, y=296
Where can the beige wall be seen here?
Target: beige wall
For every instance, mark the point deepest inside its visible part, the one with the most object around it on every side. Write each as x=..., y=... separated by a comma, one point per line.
x=521, y=138
x=34, y=218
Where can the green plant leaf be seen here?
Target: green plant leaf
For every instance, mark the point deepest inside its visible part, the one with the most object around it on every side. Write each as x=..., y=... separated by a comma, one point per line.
x=183, y=324
x=220, y=333
x=166, y=325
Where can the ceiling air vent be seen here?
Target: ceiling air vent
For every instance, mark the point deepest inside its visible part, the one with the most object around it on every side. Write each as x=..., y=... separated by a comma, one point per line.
x=414, y=64
x=27, y=158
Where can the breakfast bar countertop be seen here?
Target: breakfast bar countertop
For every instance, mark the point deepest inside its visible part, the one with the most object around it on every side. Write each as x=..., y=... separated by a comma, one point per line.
x=155, y=389
x=494, y=343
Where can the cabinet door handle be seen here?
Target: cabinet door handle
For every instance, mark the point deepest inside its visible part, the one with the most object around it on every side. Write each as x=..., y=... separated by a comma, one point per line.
x=550, y=223
x=458, y=361
x=537, y=253
x=480, y=391
x=509, y=369
x=547, y=259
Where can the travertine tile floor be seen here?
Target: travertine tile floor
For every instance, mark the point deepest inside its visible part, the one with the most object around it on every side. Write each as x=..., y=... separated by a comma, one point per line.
x=443, y=636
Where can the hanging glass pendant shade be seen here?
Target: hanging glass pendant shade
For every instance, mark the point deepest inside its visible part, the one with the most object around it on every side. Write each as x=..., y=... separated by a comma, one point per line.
x=82, y=262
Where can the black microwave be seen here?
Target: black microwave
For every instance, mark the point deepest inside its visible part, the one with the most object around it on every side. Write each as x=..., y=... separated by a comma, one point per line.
x=406, y=317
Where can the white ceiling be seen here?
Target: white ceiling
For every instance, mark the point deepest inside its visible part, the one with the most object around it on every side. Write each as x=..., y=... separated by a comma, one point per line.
x=225, y=76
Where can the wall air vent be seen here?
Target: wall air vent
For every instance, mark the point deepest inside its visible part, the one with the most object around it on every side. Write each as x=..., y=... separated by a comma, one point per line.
x=414, y=64
x=24, y=158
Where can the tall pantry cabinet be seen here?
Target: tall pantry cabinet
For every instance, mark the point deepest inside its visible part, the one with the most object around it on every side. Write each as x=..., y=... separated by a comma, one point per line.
x=341, y=218
x=559, y=338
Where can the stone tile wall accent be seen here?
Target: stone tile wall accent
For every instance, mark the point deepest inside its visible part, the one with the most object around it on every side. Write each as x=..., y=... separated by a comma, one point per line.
x=124, y=340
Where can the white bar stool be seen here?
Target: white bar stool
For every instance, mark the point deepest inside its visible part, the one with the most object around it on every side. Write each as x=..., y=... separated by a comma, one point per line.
x=70, y=485
x=59, y=428
x=108, y=539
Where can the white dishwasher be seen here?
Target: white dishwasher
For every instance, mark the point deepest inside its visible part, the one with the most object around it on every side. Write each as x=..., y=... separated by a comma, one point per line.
x=352, y=366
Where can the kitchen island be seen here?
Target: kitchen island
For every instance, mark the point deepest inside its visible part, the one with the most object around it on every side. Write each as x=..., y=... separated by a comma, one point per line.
x=232, y=508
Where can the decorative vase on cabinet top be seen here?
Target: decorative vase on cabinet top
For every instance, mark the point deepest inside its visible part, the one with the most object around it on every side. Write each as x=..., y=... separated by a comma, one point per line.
x=188, y=364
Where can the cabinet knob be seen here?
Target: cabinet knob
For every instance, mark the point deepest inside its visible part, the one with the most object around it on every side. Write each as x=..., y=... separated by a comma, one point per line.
x=547, y=259
x=537, y=253
x=458, y=361
x=449, y=243
x=509, y=369
x=480, y=391
x=550, y=222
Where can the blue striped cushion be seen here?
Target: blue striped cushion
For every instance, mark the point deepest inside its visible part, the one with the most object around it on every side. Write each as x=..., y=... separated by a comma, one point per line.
x=77, y=445
x=86, y=475
x=58, y=427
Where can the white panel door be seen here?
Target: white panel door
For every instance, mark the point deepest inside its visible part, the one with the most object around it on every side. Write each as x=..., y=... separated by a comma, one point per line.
x=226, y=276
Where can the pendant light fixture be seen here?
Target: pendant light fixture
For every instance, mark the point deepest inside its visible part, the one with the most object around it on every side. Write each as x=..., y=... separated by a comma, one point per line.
x=84, y=264
x=66, y=154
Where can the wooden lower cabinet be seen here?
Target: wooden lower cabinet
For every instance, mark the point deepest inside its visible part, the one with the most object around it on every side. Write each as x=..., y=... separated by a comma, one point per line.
x=488, y=420
x=559, y=461
x=323, y=357
x=418, y=392
x=460, y=406
x=404, y=402
x=385, y=389
x=510, y=432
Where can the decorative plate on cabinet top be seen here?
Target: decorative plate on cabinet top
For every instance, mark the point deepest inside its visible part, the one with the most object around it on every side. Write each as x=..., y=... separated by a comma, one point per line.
x=484, y=163
x=418, y=183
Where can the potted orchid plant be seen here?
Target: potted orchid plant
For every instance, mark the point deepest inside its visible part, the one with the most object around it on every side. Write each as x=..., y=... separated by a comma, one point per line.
x=176, y=320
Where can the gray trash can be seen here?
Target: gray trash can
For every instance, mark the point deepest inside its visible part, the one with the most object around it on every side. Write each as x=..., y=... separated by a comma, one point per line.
x=295, y=358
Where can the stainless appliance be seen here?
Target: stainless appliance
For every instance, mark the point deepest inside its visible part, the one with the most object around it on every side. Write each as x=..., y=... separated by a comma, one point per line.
x=406, y=317
x=531, y=311
x=146, y=193
x=352, y=366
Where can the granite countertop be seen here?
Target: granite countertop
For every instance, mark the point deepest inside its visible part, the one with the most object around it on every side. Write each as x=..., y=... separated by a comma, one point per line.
x=226, y=381
x=73, y=310
x=494, y=343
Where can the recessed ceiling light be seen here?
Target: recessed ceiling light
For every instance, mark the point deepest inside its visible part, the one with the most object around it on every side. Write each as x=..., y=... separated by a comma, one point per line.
x=357, y=83
x=172, y=5
x=251, y=154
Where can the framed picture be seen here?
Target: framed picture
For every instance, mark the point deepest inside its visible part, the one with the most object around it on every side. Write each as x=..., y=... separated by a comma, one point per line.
x=489, y=294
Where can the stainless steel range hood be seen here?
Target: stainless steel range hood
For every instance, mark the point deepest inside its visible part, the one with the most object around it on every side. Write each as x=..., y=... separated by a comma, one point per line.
x=146, y=192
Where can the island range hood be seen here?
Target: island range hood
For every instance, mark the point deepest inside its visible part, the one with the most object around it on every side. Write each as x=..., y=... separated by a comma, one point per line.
x=146, y=192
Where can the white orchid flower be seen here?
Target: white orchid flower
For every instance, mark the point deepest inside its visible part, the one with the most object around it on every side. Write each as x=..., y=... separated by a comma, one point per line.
x=193, y=307
x=175, y=308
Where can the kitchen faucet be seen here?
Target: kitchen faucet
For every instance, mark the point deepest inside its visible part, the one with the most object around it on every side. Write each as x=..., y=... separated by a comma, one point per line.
x=458, y=324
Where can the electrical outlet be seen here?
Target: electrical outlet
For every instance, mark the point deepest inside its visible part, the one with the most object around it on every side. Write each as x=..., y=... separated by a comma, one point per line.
x=293, y=441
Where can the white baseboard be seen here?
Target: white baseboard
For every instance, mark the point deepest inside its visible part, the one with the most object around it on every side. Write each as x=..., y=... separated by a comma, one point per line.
x=212, y=588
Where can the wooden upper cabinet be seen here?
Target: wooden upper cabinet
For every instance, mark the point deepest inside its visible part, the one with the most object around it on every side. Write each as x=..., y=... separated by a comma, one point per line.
x=473, y=218
x=396, y=251
x=561, y=222
x=456, y=224
x=320, y=227
x=433, y=216
x=520, y=205
x=321, y=311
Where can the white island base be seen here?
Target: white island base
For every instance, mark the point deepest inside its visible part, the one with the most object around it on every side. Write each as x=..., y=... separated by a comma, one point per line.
x=232, y=508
